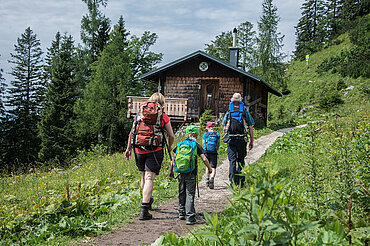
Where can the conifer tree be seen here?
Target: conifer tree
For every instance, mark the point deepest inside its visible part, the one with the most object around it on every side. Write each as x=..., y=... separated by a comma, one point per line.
x=246, y=42
x=102, y=110
x=25, y=99
x=95, y=28
x=269, y=40
x=2, y=96
x=53, y=50
x=56, y=130
x=219, y=47
x=2, y=116
x=269, y=43
x=311, y=29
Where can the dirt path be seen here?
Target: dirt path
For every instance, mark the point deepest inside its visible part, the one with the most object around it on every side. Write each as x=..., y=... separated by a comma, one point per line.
x=165, y=217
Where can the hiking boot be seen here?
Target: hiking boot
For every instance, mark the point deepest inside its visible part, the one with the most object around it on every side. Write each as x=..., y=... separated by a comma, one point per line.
x=212, y=183
x=207, y=183
x=144, y=213
x=182, y=216
x=191, y=222
x=150, y=203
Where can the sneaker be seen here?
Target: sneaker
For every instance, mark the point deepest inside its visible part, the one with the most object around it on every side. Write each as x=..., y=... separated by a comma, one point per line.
x=207, y=183
x=191, y=222
x=182, y=216
x=144, y=213
x=212, y=184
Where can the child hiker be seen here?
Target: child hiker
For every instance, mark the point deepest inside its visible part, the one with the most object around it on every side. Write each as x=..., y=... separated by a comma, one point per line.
x=185, y=164
x=211, y=143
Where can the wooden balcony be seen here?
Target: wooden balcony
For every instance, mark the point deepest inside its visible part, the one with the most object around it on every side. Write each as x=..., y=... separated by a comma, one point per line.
x=175, y=108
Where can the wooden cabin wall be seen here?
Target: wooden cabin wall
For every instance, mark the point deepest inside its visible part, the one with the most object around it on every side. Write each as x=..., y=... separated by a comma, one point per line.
x=184, y=87
x=228, y=86
x=189, y=87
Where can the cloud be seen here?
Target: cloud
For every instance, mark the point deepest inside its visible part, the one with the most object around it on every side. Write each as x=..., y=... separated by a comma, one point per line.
x=183, y=26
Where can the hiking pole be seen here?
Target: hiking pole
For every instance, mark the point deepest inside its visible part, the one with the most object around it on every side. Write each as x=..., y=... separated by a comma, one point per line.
x=168, y=148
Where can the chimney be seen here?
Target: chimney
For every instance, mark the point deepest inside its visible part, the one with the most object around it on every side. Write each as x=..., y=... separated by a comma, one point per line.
x=234, y=51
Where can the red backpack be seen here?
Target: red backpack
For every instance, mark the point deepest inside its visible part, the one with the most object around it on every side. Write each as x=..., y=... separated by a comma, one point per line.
x=147, y=131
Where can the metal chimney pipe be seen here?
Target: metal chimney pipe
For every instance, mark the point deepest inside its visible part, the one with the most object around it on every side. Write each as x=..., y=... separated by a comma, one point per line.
x=234, y=37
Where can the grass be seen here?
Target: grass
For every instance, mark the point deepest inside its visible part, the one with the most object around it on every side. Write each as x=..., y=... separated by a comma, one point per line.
x=98, y=193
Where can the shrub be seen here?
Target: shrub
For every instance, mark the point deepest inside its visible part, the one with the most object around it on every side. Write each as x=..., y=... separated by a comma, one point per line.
x=329, y=99
x=206, y=116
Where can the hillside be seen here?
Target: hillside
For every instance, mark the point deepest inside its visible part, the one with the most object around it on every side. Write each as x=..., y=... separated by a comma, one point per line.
x=309, y=88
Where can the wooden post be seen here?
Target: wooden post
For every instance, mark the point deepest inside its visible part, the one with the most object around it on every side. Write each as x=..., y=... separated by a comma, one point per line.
x=159, y=84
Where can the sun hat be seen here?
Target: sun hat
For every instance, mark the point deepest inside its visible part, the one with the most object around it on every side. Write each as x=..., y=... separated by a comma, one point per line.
x=236, y=97
x=191, y=130
x=210, y=124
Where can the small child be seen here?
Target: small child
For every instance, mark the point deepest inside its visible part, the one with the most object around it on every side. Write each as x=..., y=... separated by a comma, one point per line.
x=211, y=143
x=185, y=163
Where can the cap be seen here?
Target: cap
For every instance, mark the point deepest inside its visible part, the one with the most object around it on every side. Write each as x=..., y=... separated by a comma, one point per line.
x=191, y=129
x=236, y=97
x=210, y=124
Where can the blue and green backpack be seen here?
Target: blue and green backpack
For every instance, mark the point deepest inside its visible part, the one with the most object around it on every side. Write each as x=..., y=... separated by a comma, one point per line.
x=186, y=152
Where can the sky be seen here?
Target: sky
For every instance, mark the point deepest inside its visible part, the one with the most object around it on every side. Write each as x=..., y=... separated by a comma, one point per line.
x=182, y=26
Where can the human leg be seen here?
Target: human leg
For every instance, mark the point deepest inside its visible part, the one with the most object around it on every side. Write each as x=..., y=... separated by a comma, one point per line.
x=242, y=152
x=182, y=196
x=232, y=156
x=190, y=195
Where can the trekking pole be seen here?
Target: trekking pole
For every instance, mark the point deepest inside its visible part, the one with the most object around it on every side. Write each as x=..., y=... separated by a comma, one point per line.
x=197, y=184
x=168, y=148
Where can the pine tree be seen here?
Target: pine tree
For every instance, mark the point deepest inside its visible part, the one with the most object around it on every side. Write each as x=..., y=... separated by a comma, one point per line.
x=95, y=28
x=2, y=116
x=56, y=130
x=311, y=29
x=52, y=52
x=102, y=110
x=25, y=100
x=333, y=13
x=2, y=96
x=269, y=43
x=246, y=42
x=219, y=47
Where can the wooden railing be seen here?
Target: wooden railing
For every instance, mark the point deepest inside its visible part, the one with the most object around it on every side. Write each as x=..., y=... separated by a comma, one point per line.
x=175, y=108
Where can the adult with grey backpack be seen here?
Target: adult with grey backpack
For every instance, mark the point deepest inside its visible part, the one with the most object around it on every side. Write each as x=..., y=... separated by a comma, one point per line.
x=147, y=138
x=235, y=122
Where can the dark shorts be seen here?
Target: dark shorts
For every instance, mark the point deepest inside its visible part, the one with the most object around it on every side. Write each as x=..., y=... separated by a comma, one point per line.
x=150, y=162
x=212, y=158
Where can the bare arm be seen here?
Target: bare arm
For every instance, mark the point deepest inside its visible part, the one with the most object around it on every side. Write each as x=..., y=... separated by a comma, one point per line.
x=170, y=172
x=206, y=162
x=171, y=135
x=129, y=146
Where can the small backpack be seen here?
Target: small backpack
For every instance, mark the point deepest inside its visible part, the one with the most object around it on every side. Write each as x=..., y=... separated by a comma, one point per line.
x=186, y=152
x=147, y=130
x=210, y=142
x=236, y=113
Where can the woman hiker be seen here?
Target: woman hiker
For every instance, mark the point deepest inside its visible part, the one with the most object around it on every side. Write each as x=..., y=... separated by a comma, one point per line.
x=149, y=152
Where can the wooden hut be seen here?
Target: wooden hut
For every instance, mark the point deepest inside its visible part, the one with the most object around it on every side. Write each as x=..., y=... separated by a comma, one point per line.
x=199, y=81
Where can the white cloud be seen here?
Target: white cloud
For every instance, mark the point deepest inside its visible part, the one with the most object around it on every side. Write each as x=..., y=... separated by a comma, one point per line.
x=183, y=26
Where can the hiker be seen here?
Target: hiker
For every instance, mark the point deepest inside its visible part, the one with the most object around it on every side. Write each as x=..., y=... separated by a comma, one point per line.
x=185, y=164
x=211, y=143
x=148, y=139
x=235, y=122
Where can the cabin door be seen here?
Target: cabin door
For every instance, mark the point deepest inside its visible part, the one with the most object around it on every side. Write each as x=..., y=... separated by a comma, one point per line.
x=209, y=95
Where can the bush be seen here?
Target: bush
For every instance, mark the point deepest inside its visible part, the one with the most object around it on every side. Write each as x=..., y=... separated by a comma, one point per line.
x=206, y=116
x=330, y=99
